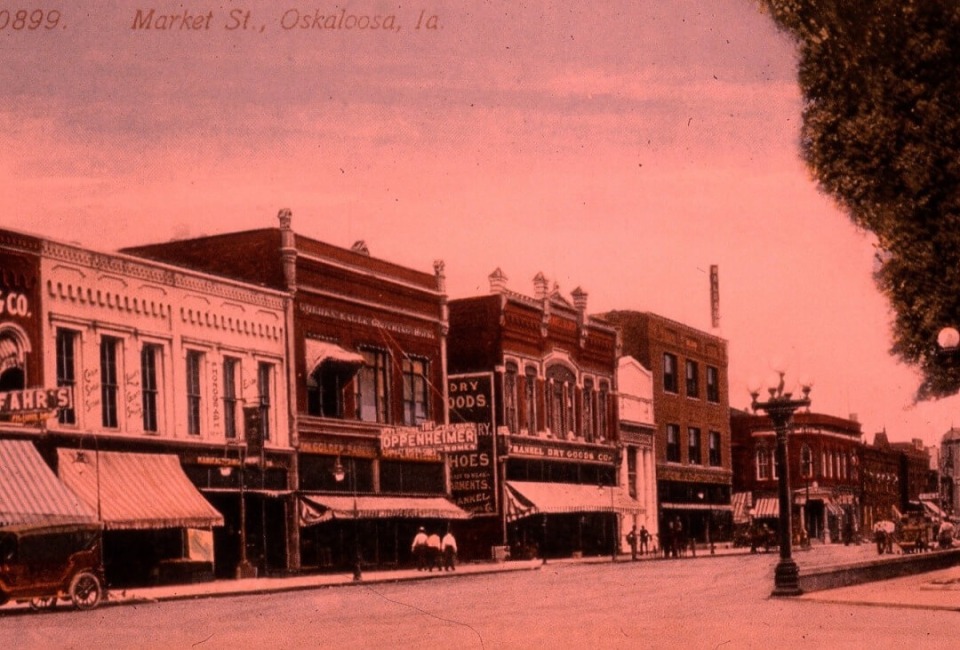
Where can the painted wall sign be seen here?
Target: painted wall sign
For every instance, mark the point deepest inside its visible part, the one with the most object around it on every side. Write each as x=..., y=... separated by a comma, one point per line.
x=520, y=447
x=473, y=473
x=443, y=437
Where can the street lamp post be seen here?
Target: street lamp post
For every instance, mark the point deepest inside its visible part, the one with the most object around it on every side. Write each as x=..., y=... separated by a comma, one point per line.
x=780, y=407
x=339, y=473
x=709, y=538
x=244, y=568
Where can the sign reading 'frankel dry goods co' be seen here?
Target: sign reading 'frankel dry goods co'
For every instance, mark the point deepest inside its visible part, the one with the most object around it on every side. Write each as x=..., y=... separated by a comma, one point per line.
x=473, y=473
x=442, y=437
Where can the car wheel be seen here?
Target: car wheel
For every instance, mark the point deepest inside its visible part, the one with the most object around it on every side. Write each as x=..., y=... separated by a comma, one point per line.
x=48, y=602
x=85, y=590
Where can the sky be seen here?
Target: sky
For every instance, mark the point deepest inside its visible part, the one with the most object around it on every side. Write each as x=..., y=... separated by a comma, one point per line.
x=621, y=147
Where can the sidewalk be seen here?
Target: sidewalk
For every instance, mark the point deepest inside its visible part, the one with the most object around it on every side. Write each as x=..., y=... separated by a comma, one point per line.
x=295, y=583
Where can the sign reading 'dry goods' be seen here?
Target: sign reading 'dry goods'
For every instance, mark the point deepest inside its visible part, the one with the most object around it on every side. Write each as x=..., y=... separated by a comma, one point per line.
x=472, y=473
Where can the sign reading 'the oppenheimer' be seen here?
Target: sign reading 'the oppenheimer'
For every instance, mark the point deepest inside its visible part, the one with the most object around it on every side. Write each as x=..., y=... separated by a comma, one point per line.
x=442, y=437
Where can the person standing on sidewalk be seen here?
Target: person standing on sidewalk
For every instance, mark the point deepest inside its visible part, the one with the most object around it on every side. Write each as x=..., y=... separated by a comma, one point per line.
x=433, y=551
x=449, y=546
x=644, y=539
x=419, y=548
x=632, y=541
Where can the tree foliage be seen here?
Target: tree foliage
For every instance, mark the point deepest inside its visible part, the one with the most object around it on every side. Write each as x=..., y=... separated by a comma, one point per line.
x=881, y=134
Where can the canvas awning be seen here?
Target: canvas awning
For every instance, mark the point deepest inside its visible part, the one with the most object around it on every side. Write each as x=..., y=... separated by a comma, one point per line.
x=766, y=508
x=834, y=509
x=527, y=498
x=933, y=509
x=30, y=493
x=316, y=352
x=318, y=508
x=136, y=491
x=719, y=507
x=741, y=502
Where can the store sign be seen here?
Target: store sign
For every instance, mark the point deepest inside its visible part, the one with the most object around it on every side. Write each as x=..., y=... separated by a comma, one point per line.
x=576, y=453
x=473, y=473
x=430, y=437
x=33, y=400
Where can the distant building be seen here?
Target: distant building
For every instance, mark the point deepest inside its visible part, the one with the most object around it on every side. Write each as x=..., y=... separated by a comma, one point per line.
x=950, y=469
x=692, y=415
x=638, y=432
x=824, y=456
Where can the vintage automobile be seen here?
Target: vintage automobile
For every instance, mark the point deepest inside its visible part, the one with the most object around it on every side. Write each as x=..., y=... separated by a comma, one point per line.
x=42, y=564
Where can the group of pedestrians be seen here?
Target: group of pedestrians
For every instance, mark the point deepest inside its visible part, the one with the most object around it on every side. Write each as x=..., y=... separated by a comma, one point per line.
x=430, y=551
x=641, y=538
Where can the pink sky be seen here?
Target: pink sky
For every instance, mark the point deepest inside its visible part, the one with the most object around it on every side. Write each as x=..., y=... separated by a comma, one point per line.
x=623, y=147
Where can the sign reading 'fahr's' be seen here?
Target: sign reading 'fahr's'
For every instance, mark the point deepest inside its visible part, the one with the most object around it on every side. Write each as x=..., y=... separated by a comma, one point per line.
x=36, y=399
x=443, y=437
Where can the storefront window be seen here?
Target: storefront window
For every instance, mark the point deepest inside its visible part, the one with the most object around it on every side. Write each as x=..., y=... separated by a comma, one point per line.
x=109, y=381
x=149, y=358
x=510, y=397
x=194, y=362
x=530, y=396
x=371, y=387
x=415, y=396
x=67, y=371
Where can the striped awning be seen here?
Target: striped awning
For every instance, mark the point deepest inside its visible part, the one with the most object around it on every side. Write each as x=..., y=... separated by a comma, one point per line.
x=933, y=508
x=317, y=352
x=527, y=498
x=30, y=492
x=136, y=491
x=833, y=509
x=318, y=508
x=741, y=502
x=766, y=508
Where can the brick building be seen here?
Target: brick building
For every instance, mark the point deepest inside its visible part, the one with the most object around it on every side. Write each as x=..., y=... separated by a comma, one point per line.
x=553, y=370
x=824, y=453
x=691, y=409
x=367, y=361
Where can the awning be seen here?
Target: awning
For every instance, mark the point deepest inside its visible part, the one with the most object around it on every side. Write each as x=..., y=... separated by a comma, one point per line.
x=933, y=509
x=316, y=352
x=526, y=498
x=719, y=507
x=318, y=508
x=766, y=508
x=741, y=502
x=136, y=491
x=834, y=509
x=30, y=492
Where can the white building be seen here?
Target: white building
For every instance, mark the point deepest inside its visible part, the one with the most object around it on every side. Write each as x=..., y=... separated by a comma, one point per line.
x=638, y=473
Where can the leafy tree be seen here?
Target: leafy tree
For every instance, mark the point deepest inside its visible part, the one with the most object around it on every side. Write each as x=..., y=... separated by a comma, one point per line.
x=881, y=134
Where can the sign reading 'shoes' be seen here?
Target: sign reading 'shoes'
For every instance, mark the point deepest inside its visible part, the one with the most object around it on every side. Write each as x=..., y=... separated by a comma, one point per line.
x=35, y=399
x=438, y=438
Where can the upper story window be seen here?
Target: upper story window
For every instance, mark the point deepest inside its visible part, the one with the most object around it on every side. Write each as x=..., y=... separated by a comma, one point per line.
x=150, y=386
x=265, y=390
x=561, y=382
x=603, y=411
x=231, y=395
x=416, y=399
x=713, y=384
x=670, y=372
x=693, y=446
x=530, y=398
x=764, y=464
x=372, y=396
x=632, y=471
x=510, y=414
x=693, y=379
x=673, y=443
x=194, y=368
x=715, y=458
x=109, y=381
x=67, y=371
x=326, y=388
x=587, y=427
x=806, y=461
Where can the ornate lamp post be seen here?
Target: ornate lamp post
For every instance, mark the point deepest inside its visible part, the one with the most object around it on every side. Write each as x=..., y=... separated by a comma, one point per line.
x=339, y=473
x=780, y=407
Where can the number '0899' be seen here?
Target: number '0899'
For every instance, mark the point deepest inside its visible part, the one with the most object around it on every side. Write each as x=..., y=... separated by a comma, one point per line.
x=29, y=19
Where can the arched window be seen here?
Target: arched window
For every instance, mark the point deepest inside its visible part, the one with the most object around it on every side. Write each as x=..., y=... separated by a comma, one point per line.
x=806, y=461
x=561, y=390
